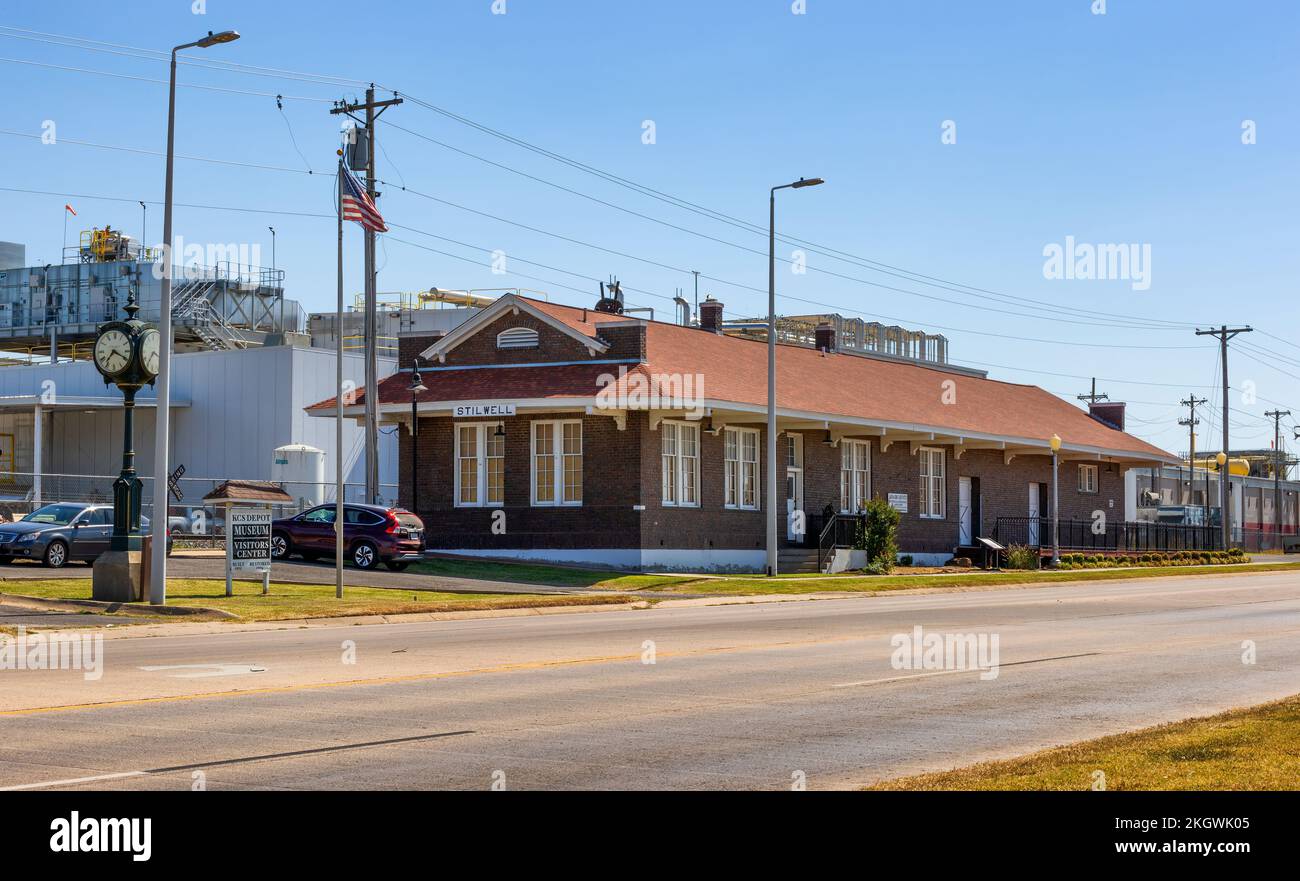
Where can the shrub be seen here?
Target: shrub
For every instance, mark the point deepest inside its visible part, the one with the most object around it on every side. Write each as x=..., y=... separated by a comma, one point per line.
x=1022, y=557
x=878, y=535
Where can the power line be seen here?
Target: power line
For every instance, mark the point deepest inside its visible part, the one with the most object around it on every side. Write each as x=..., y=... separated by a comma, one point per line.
x=872, y=265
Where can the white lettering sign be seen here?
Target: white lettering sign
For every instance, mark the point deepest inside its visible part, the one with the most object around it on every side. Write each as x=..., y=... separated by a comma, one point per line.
x=250, y=538
x=463, y=411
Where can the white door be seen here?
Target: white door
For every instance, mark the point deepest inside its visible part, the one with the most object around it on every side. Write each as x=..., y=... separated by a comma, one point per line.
x=1033, y=514
x=794, y=526
x=965, y=534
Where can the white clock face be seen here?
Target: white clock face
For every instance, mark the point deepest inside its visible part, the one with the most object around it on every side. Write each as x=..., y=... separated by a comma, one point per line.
x=113, y=352
x=149, y=352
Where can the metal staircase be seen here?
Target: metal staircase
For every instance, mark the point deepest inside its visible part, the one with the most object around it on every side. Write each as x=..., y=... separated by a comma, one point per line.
x=192, y=305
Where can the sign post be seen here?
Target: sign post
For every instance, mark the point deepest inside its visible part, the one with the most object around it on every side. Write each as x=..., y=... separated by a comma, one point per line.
x=248, y=544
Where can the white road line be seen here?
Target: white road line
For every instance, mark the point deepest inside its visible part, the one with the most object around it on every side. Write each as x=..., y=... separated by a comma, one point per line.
x=74, y=781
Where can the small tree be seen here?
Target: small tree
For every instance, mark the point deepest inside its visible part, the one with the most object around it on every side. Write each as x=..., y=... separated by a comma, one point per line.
x=878, y=535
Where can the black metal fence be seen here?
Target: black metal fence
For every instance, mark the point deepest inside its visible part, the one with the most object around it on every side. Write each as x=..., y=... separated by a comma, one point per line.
x=1087, y=535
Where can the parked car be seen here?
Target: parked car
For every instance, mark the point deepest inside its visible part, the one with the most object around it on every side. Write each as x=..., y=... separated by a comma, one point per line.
x=62, y=531
x=372, y=534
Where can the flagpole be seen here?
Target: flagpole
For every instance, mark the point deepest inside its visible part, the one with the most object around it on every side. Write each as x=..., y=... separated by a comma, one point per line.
x=338, y=398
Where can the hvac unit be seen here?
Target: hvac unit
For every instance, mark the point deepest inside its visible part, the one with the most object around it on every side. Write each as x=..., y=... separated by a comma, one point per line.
x=300, y=469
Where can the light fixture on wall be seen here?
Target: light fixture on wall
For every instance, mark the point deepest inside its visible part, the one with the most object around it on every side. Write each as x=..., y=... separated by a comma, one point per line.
x=501, y=430
x=828, y=440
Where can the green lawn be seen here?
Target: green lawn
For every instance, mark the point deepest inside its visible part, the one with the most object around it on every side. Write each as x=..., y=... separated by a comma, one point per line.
x=551, y=576
x=796, y=584
x=290, y=600
x=1251, y=749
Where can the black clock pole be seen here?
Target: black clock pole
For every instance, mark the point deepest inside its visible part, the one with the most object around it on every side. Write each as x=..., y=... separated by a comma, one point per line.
x=127, y=487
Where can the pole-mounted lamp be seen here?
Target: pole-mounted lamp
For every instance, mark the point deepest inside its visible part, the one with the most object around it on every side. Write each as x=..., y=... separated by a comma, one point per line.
x=1055, y=443
x=771, y=366
x=415, y=388
x=162, y=426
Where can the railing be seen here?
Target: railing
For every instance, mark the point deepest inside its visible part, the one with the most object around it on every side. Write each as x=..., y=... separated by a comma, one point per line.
x=1087, y=535
x=833, y=531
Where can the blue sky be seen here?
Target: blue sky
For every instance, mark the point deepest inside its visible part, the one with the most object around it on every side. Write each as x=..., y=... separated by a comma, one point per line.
x=1117, y=128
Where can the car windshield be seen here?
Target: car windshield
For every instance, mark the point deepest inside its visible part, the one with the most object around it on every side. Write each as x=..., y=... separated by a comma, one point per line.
x=56, y=515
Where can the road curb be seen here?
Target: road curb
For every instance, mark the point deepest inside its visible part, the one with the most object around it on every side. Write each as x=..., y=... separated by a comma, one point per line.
x=41, y=604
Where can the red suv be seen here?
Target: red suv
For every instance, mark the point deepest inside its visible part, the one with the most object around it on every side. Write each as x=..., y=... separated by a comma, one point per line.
x=371, y=534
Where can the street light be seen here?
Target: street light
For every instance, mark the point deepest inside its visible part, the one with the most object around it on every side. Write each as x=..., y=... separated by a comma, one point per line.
x=158, y=563
x=1056, y=499
x=415, y=388
x=771, y=366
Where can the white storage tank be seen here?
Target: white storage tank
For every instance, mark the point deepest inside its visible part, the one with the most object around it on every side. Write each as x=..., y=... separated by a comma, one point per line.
x=300, y=469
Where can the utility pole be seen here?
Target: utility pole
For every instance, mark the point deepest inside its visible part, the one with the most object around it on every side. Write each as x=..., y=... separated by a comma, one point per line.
x=1276, y=416
x=1094, y=397
x=1191, y=422
x=370, y=333
x=1224, y=333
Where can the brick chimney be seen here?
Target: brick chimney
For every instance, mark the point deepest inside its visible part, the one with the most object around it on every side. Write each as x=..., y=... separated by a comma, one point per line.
x=1108, y=413
x=711, y=315
x=824, y=337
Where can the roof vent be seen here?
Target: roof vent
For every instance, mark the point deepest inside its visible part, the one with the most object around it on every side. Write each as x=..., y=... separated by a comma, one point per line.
x=611, y=298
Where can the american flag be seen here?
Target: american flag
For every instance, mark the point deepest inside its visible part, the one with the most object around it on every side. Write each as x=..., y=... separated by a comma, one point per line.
x=357, y=204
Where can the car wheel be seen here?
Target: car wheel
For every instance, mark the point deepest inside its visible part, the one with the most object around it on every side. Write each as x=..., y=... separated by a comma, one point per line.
x=397, y=565
x=364, y=555
x=280, y=546
x=56, y=554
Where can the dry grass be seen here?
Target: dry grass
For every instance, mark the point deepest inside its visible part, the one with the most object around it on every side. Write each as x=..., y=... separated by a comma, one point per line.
x=1257, y=748
x=291, y=600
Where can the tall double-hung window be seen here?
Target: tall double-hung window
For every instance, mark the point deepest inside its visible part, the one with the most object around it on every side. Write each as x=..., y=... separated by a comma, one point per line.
x=557, y=462
x=740, y=446
x=681, y=463
x=480, y=466
x=932, y=492
x=855, y=475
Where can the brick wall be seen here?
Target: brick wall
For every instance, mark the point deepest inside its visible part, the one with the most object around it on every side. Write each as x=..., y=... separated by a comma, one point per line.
x=621, y=469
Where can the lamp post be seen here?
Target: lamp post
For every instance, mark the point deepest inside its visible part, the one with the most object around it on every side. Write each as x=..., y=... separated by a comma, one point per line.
x=1056, y=501
x=415, y=388
x=771, y=366
x=158, y=563
x=1222, y=459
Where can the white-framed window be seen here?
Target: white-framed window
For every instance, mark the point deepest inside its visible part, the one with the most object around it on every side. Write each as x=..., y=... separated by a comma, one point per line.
x=557, y=462
x=741, y=466
x=681, y=463
x=855, y=475
x=517, y=338
x=933, y=494
x=1087, y=478
x=480, y=466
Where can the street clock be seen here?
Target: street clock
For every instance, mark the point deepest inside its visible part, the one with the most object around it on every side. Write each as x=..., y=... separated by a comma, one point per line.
x=126, y=352
x=126, y=355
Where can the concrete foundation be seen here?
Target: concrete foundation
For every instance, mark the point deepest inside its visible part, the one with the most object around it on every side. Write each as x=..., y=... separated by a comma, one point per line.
x=117, y=577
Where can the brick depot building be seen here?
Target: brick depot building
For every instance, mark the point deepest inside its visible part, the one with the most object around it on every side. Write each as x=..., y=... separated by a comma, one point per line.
x=541, y=411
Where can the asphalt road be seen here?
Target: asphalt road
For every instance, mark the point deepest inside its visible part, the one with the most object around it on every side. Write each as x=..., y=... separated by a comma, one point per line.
x=738, y=697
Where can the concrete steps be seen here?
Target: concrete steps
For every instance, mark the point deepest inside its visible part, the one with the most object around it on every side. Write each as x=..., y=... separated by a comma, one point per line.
x=796, y=559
